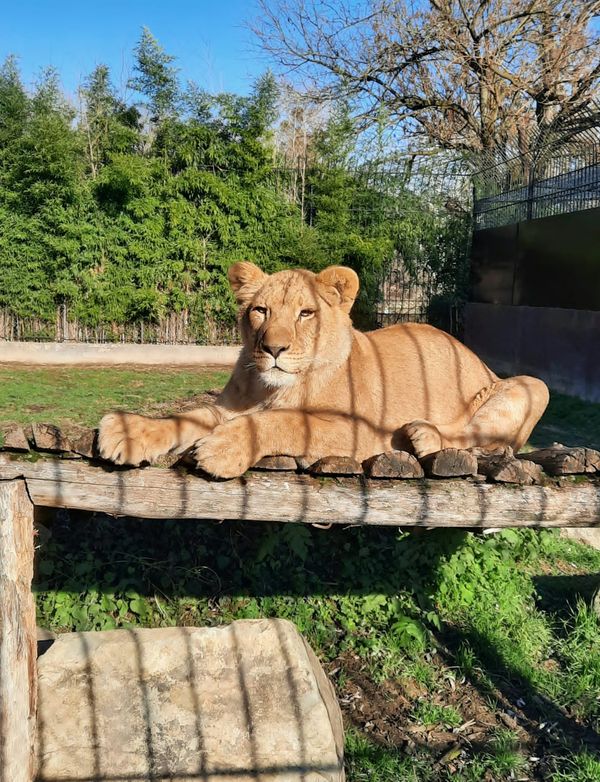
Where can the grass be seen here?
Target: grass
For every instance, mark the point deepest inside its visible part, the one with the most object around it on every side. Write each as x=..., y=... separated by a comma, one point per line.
x=370, y=762
x=430, y=714
x=569, y=421
x=427, y=633
x=433, y=632
x=581, y=767
x=82, y=395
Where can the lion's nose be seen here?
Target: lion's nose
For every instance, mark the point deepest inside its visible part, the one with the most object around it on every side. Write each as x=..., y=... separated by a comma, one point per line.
x=274, y=350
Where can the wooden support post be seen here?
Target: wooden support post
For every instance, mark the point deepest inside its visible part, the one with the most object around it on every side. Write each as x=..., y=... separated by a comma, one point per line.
x=18, y=686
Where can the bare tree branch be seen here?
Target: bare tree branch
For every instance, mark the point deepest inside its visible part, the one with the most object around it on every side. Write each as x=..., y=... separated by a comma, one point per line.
x=470, y=75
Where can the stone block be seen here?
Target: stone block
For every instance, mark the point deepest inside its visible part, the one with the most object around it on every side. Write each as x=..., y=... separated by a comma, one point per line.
x=225, y=704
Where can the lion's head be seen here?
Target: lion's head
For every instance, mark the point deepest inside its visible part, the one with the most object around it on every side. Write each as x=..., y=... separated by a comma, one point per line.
x=295, y=321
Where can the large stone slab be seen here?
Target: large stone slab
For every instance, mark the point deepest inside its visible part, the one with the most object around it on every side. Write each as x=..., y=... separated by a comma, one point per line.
x=588, y=535
x=249, y=701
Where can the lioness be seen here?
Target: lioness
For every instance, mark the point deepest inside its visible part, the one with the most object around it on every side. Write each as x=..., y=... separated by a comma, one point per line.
x=308, y=385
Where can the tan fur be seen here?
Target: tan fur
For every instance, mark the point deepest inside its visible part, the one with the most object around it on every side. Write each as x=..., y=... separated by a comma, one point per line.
x=308, y=385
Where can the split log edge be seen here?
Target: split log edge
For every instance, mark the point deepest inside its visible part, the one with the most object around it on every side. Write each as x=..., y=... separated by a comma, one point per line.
x=278, y=496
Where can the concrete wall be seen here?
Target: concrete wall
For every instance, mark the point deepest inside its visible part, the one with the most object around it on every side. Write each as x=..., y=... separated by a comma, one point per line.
x=561, y=346
x=77, y=353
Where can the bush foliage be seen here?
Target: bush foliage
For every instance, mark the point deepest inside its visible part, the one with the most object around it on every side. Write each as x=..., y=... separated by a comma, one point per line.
x=129, y=211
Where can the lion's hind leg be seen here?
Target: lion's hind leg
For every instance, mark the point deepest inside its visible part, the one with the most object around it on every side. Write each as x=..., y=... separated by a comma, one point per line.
x=511, y=409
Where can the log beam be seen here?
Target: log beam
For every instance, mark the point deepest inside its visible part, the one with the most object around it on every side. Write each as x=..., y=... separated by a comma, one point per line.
x=159, y=493
x=18, y=686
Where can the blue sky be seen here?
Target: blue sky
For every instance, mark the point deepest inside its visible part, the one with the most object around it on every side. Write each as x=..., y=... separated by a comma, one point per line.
x=207, y=36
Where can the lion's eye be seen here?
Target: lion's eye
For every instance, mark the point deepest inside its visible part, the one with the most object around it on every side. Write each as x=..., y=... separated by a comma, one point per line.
x=306, y=313
x=260, y=310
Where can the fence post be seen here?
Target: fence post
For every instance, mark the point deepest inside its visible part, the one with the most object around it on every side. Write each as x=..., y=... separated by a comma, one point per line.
x=18, y=682
x=530, y=190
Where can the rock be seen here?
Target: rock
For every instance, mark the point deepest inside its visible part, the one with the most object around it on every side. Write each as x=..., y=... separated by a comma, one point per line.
x=284, y=463
x=393, y=464
x=588, y=535
x=224, y=704
x=48, y=437
x=45, y=639
x=42, y=634
x=336, y=465
x=13, y=438
x=449, y=463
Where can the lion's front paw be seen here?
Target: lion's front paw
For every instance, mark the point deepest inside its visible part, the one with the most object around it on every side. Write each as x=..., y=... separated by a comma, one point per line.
x=225, y=453
x=125, y=438
x=424, y=437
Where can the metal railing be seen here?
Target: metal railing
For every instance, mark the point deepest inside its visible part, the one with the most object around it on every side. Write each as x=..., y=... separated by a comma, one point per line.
x=557, y=173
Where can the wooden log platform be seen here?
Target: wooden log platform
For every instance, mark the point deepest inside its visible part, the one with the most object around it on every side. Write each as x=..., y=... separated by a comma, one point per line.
x=154, y=492
x=41, y=466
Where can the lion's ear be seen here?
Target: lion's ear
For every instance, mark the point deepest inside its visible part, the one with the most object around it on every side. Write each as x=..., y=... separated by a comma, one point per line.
x=245, y=279
x=340, y=286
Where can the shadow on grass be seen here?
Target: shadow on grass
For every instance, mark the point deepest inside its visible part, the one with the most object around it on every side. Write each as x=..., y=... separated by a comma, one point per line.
x=210, y=573
x=558, y=594
x=569, y=421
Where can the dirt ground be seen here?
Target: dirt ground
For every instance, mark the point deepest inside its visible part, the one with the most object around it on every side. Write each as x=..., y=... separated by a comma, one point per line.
x=384, y=710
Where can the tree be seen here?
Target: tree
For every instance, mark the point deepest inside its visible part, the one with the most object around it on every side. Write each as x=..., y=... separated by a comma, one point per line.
x=468, y=75
x=45, y=159
x=108, y=123
x=116, y=221
x=156, y=78
x=13, y=103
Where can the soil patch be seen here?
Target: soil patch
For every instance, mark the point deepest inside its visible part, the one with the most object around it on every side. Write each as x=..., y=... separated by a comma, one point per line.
x=385, y=711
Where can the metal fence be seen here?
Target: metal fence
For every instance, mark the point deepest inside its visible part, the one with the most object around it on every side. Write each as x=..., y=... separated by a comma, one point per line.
x=417, y=295
x=425, y=202
x=558, y=173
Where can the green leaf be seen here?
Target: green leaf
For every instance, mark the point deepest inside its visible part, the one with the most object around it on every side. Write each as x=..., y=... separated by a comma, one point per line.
x=138, y=606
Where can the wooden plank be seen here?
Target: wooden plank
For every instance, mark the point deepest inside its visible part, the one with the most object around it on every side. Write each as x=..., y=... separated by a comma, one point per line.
x=18, y=685
x=336, y=465
x=506, y=469
x=12, y=436
x=285, y=463
x=48, y=437
x=158, y=493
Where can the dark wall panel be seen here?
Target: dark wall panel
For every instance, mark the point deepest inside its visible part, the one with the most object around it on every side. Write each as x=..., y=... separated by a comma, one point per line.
x=549, y=262
x=493, y=265
x=562, y=346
